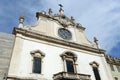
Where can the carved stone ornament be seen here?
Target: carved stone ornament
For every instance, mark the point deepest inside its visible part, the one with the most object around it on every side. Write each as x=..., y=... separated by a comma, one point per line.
x=69, y=54
x=21, y=19
x=50, y=12
x=94, y=64
x=37, y=53
x=64, y=21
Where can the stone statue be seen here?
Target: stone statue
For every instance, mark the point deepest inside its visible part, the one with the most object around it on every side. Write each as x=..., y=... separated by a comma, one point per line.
x=50, y=12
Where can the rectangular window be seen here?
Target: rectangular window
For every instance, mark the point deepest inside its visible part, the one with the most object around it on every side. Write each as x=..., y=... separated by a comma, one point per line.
x=96, y=73
x=70, y=66
x=37, y=65
x=118, y=68
x=112, y=68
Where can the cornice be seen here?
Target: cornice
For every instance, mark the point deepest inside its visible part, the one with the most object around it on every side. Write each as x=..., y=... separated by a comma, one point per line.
x=112, y=60
x=36, y=35
x=29, y=77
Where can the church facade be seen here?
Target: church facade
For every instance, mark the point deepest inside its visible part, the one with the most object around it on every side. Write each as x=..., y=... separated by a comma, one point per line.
x=55, y=48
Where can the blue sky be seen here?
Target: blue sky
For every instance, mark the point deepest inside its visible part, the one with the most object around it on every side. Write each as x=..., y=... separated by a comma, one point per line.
x=101, y=18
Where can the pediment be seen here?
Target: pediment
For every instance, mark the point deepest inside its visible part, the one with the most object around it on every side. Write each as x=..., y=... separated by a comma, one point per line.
x=61, y=19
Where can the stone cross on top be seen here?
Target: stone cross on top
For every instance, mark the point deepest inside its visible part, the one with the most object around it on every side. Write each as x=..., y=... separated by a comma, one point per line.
x=61, y=10
x=60, y=5
x=96, y=40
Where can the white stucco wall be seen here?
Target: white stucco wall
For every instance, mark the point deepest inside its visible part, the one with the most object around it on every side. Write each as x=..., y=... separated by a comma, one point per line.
x=52, y=62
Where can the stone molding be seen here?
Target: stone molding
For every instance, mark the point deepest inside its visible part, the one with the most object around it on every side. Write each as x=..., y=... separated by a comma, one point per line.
x=37, y=53
x=15, y=77
x=71, y=76
x=36, y=35
x=94, y=64
x=112, y=60
x=70, y=55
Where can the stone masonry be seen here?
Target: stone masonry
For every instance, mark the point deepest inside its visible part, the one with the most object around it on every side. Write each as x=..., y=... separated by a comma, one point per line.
x=6, y=45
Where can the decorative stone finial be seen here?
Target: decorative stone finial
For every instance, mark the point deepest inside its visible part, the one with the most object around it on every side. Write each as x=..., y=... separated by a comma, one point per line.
x=72, y=18
x=43, y=12
x=96, y=40
x=21, y=20
x=50, y=12
x=37, y=15
x=61, y=10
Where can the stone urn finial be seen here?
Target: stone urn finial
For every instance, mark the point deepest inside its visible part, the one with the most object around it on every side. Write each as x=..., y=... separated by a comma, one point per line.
x=21, y=20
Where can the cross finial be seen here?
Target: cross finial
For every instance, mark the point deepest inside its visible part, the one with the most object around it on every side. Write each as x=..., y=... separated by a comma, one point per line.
x=96, y=40
x=61, y=10
x=60, y=5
